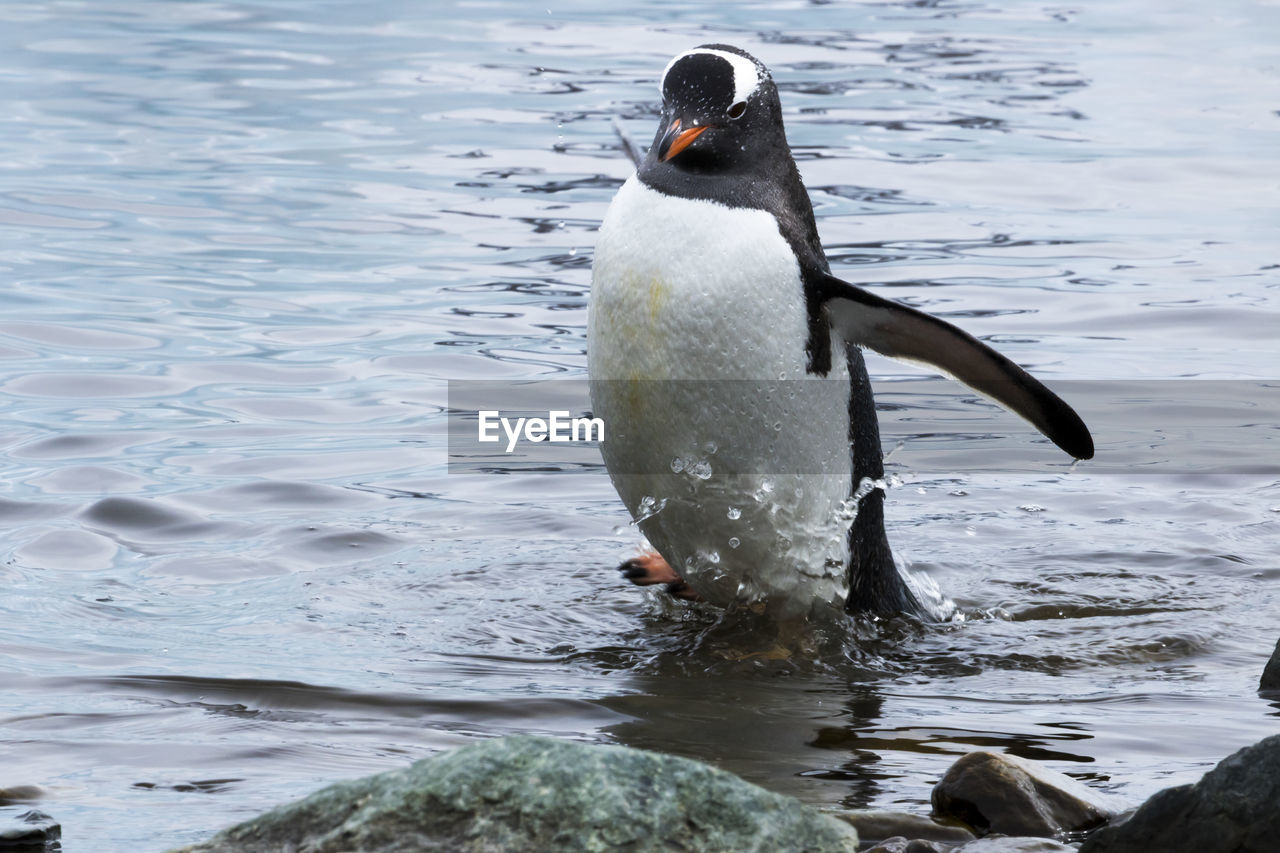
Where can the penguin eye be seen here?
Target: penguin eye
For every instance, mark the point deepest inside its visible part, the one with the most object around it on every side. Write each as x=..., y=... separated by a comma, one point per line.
x=738, y=109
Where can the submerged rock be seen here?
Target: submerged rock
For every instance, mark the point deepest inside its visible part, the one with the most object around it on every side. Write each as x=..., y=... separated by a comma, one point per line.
x=1000, y=844
x=535, y=794
x=877, y=825
x=1234, y=808
x=20, y=794
x=1271, y=672
x=915, y=845
x=1006, y=844
x=32, y=830
x=1014, y=796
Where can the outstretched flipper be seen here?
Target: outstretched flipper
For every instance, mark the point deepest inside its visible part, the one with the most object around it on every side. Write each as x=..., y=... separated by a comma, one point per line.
x=906, y=334
x=650, y=568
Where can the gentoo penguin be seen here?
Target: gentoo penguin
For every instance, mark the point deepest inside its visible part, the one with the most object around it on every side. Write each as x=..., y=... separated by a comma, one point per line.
x=724, y=360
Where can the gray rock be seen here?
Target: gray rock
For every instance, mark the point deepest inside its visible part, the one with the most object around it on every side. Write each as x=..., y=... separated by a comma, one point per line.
x=31, y=830
x=1006, y=844
x=1271, y=672
x=1234, y=808
x=1014, y=796
x=536, y=794
x=879, y=825
x=995, y=844
x=915, y=845
x=20, y=794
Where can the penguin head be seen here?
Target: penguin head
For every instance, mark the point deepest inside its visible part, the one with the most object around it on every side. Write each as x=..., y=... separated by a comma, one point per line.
x=720, y=112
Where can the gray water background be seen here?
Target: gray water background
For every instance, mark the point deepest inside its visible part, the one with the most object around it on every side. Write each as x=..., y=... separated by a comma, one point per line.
x=245, y=246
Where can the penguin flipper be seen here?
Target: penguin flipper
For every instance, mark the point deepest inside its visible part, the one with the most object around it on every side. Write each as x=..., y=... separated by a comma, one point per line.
x=906, y=334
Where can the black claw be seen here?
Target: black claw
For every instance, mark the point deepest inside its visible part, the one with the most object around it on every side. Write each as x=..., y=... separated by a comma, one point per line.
x=632, y=569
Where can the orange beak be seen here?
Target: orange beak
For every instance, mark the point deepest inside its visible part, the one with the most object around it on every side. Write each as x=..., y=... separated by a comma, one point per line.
x=680, y=139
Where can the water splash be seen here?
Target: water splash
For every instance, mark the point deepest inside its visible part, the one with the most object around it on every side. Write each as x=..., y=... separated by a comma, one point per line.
x=847, y=509
x=697, y=468
x=649, y=507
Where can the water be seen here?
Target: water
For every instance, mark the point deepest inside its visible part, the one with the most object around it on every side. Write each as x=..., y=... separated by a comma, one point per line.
x=245, y=245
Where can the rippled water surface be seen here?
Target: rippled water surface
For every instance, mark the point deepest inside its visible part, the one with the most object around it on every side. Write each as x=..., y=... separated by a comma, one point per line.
x=245, y=246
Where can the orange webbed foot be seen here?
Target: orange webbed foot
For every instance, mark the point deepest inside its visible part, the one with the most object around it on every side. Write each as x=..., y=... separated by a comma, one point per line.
x=650, y=568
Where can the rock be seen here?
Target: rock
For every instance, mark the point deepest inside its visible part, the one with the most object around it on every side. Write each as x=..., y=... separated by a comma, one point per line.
x=1007, y=844
x=1014, y=796
x=31, y=830
x=917, y=845
x=534, y=794
x=995, y=844
x=1271, y=672
x=914, y=845
x=20, y=794
x=1234, y=808
x=877, y=825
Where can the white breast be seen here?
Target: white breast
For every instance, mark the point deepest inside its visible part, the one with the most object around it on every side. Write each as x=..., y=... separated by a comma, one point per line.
x=696, y=350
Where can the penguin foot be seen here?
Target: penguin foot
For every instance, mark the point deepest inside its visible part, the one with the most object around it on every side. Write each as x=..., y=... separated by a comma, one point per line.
x=650, y=568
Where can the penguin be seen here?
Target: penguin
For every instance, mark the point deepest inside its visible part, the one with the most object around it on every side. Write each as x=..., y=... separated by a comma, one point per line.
x=726, y=362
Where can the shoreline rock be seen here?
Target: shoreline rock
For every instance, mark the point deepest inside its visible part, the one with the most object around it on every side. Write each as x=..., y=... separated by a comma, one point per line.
x=881, y=825
x=524, y=793
x=1234, y=808
x=30, y=831
x=1270, y=680
x=1006, y=795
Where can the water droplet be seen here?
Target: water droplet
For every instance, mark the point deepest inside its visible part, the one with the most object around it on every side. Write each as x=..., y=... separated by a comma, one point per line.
x=865, y=487
x=573, y=253
x=734, y=541
x=701, y=469
x=735, y=513
x=847, y=510
x=649, y=507
x=713, y=557
x=677, y=464
x=959, y=493
x=1031, y=508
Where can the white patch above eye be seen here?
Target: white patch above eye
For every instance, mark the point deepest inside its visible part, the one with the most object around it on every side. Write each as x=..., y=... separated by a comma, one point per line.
x=746, y=74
